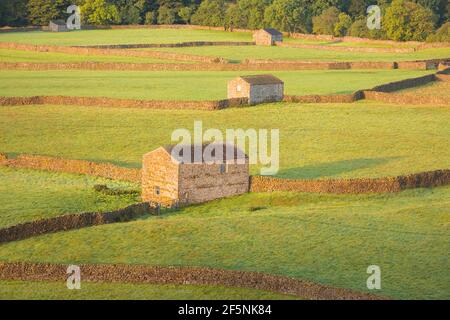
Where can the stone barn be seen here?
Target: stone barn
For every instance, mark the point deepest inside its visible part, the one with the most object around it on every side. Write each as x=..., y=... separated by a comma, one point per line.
x=267, y=37
x=58, y=26
x=168, y=179
x=257, y=88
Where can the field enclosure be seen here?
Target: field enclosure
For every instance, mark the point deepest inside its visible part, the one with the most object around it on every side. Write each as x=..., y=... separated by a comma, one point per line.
x=322, y=238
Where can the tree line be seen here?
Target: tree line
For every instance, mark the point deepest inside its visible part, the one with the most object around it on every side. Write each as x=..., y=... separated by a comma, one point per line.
x=402, y=20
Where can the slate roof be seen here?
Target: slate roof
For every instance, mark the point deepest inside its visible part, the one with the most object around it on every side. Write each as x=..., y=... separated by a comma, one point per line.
x=261, y=79
x=237, y=152
x=273, y=32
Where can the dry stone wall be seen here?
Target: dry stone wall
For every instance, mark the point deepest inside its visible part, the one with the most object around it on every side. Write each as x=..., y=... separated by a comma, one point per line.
x=72, y=222
x=111, y=52
x=27, y=271
x=352, y=186
x=105, y=170
x=123, y=103
x=172, y=45
x=344, y=49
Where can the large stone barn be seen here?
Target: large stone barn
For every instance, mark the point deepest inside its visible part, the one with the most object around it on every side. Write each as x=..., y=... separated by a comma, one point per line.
x=57, y=26
x=267, y=37
x=173, y=175
x=257, y=88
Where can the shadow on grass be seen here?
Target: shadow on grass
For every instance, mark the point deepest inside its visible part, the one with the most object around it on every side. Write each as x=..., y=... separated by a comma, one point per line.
x=331, y=169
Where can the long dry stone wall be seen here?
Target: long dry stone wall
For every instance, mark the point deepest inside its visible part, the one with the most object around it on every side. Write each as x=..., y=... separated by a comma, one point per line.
x=352, y=186
x=72, y=222
x=123, y=103
x=111, y=52
x=171, y=45
x=105, y=170
x=181, y=276
x=344, y=49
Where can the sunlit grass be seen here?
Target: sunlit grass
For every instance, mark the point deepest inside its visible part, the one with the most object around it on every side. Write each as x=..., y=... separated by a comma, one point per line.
x=324, y=238
x=27, y=195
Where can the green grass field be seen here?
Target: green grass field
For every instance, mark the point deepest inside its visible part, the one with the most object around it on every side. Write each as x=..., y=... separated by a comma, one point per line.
x=22, y=290
x=328, y=239
x=124, y=36
x=365, y=139
x=437, y=88
x=188, y=85
x=27, y=195
x=238, y=54
x=7, y=55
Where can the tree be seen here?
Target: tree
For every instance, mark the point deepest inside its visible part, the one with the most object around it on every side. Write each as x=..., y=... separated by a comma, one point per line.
x=166, y=15
x=441, y=35
x=344, y=23
x=40, y=12
x=210, y=13
x=130, y=14
x=288, y=15
x=251, y=13
x=324, y=23
x=151, y=17
x=99, y=12
x=405, y=21
x=234, y=18
x=359, y=29
x=13, y=12
x=185, y=14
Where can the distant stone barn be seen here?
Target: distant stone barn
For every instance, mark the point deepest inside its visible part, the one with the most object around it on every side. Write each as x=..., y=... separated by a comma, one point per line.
x=267, y=37
x=58, y=26
x=257, y=88
x=168, y=179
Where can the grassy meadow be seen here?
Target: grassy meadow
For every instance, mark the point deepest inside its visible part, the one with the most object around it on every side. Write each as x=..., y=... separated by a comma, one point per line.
x=186, y=85
x=364, y=139
x=27, y=195
x=328, y=239
x=7, y=55
x=436, y=88
x=121, y=36
x=25, y=290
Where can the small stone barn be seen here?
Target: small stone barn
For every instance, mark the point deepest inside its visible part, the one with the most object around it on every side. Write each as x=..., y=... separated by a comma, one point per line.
x=267, y=37
x=257, y=88
x=58, y=26
x=169, y=180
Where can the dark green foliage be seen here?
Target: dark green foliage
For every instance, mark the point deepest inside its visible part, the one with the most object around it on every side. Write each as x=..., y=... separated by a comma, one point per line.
x=40, y=12
x=441, y=35
x=325, y=22
x=419, y=18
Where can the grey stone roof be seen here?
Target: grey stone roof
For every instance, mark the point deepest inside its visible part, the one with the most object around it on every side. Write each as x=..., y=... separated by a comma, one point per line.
x=237, y=153
x=261, y=79
x=273, y=32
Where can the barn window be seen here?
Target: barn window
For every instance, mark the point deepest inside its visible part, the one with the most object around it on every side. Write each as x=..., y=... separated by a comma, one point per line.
x=238, y=88
x=223, y=168
x=157, y=191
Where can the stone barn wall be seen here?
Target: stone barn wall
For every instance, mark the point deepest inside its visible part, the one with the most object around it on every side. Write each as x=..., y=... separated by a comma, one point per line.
x=233, y=87
x=266, y=93
x=158, y=170
x=205, y=182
